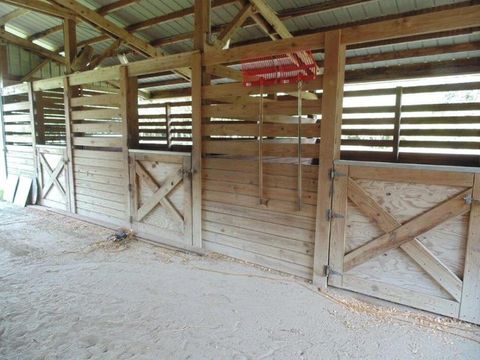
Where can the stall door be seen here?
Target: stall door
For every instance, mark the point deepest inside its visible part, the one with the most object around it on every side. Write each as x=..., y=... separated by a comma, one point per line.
x=162, y=200
x=52, y=175
x=403, y=235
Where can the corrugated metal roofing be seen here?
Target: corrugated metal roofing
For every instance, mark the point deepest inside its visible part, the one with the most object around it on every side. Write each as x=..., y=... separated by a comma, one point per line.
x=142, y=10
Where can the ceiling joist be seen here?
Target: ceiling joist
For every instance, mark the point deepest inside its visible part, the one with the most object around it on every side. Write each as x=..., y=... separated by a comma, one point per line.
x=41, y=7
x=13, y=15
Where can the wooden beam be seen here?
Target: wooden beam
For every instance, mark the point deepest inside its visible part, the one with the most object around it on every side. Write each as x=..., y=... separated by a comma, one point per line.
x=108, y=52
x=197, y=150
x=454, y=206
x=470, y=304
x=115, y=31
x=41, y=7
x=98, y=21
x=116, y=5
x=37, y=49
x=227, y=33
x=202, y=24
x=332, y=106
x=28, y=76
x=450, y=19
x=3, y=149
x=13, y=15
x=69, y=43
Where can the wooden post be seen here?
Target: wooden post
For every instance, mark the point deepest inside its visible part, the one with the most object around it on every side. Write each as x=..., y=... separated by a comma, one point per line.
x=470, y=304
x=167, y=124
x=3, y=147
x=332, y=103
x=197, y=150
x=33, y=115
x=68, y=93
x=129, y=113
x=70, y=43
x=397, y=120
x=202, y=24
x=40, y=117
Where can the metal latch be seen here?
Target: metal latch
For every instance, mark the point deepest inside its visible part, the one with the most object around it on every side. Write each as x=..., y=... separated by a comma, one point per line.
x=469, y=200
x=327, y=271
x=186, y=172
x=334, y=174
x=331, y=215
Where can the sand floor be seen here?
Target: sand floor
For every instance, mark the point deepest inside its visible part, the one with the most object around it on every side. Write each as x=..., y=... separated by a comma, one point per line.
x=66, y=293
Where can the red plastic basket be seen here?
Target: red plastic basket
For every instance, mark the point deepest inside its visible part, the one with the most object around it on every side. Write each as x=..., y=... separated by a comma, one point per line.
x=283, y=69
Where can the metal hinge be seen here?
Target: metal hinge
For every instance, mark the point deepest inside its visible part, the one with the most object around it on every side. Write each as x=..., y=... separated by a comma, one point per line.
x=334, y=174
x=331, y=215
x=186, y=172
x=469, y=200
x=131, y=219
x=327, y=271
x=130, y=187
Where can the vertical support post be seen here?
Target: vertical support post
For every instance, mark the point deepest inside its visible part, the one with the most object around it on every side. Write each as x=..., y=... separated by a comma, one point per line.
x=196, y=150
x=68, y=93
x=202, y=24
x=40, y=117
x=398, y=119
x=332, y=104
x=167, y=124
x=34, y=136
x=3, y=146
x=70, y=43
x=470, y=303
x=129, y=114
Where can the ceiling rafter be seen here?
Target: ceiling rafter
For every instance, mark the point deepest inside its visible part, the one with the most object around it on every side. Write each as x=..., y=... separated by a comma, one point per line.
x=13, y=15
x=225, y=35
x=104, y=10
x=41, y=7
x=116, y=32
x=26, y=44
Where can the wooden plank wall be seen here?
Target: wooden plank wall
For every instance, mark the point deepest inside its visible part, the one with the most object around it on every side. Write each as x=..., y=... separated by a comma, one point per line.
x=276, y=234
x=99, y=166
x=19, y=131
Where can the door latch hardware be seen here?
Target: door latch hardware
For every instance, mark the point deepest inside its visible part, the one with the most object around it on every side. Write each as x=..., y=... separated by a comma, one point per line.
x=469, y=200
x=334, y=174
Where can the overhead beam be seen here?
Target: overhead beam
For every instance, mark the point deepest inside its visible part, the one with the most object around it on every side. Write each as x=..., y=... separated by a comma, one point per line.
x=227, y=33
x=98, y=21
x=13, y=15
x=108, y=52
x=104, y=10
x=28, y=45
x=116, y=32
x=41, y=7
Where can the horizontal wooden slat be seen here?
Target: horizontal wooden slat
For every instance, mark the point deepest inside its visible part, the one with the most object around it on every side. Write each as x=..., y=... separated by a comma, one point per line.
x=307, y=130
x=441, y=144
x=250, y=148
x=101, y=179
x=96, y=114
x=97, y=170
x=98, y=141
x=107, y=127
x=16, y=118
x=24, y=105
x=273, y=181
x=251, y=111
x=105, y=99
x=95, y=154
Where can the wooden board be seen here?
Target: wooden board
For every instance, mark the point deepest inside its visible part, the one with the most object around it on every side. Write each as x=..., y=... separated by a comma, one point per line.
x=23, y=191
x=10, y=188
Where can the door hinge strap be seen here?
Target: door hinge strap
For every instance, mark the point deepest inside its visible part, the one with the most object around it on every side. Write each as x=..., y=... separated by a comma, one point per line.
x=334, y=174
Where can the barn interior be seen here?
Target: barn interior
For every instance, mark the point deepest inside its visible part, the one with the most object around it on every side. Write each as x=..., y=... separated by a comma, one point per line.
x=335, y=141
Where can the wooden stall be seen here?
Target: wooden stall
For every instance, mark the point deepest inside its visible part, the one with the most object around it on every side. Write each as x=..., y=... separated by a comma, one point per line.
x=297, y=176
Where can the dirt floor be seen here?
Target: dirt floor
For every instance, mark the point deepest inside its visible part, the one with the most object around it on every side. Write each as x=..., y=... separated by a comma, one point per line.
x=67, y=293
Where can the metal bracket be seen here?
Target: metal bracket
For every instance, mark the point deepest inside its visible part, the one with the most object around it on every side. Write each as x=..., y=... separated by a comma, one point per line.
x=130, y=187
x=327, y=271
x=469, y=200
x=334, y=174
x=186, y=172
x=331, y=215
